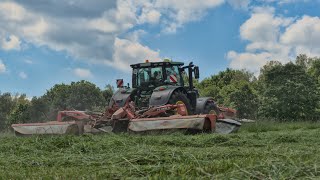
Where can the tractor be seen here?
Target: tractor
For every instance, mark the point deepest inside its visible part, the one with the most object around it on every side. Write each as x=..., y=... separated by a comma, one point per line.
x=160, y=83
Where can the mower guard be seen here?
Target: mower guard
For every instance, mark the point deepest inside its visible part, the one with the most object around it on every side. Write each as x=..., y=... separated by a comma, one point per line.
x=227, y=126
x=197, y=122
x=52, y=127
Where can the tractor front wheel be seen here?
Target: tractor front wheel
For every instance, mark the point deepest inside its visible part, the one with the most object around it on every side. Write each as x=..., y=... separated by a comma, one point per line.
x=179, y=97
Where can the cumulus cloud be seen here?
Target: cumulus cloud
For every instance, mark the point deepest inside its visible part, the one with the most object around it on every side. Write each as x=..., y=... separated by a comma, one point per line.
x=274, y=37
x=2, y=67
x=249, y=61
x=130, y=52
x=180, y=12
x=149, y=15
x=23, y=75
x=10, y=43
x=91, y=30
x=263, y=25
x=86, y=32
x=304, y=36
x=82, y=73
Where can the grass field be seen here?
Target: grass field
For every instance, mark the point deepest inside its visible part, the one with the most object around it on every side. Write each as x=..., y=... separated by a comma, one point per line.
x=259, y=151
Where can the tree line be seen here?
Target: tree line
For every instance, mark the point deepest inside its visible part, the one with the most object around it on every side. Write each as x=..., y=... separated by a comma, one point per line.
x=282, y=91
x=81, y=95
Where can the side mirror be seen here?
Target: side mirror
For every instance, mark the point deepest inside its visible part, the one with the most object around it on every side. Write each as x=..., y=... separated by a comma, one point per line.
x=196, y=72
x=119, y=83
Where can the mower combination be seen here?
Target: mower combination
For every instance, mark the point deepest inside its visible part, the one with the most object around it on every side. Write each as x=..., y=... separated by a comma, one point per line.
x=162, y=97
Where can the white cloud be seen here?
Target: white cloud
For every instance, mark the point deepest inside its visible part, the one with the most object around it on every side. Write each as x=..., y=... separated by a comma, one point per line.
x=304, y=36
x=129, y=52
x=273, y=37
x=135, y=35
x=23, y=75
x=249, y=61
x=280, y=2
x=91, y=30
x=28, y=61
x=103, y=25
x=263, y=26
x=10, y=43
x=15, y=19
x=36, y=30
x=82, y=33
x=82, y=73
x=181, y=12
x=12, y=11
x=2, y=67
x=77, y=34
x=151, y=16
x=239, y=4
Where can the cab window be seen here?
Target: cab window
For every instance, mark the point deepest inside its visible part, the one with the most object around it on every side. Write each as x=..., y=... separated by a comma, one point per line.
x=145, y=76
x=173, y=75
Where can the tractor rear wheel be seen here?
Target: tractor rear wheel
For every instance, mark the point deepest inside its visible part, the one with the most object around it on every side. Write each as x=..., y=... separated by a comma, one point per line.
x=211, y=108
x=179, y=97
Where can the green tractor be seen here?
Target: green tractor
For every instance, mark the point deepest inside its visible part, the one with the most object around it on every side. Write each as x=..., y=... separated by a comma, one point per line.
x=161, y=83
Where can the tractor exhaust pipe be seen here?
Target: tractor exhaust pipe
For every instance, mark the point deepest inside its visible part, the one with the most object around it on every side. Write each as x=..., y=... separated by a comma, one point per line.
x=190, y=71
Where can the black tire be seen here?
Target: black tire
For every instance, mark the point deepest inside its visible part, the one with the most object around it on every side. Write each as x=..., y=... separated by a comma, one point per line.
x=180, y=96
x=211, y=108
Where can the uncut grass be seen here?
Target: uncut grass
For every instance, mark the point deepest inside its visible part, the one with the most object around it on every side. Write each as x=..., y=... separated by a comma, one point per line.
x=260, y=150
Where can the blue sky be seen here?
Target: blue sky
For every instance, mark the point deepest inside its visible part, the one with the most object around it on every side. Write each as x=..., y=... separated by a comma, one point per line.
x=47, y=42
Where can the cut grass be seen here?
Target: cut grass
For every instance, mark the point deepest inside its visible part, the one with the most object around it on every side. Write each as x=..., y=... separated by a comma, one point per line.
x=262, y=150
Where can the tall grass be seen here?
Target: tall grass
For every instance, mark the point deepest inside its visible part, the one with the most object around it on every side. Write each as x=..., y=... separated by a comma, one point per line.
x=262, y=150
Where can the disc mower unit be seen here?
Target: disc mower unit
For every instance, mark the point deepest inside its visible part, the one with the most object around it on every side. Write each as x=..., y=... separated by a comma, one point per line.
x=160, y=118
x=67, y=122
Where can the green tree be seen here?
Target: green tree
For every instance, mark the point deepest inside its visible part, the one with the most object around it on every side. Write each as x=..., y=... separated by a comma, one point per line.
x=232, y=88
x=6, y=106
x=304, y=61
x=85, y=96
x=108, y=92
x=314, y=71
x=81, y=95
x=39, y=107
x=57, y=96
x=21, y=111
x=287, y=93
x=241, y=96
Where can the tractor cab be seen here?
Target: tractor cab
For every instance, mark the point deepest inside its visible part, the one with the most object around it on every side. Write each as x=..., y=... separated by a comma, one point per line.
x=150, y=75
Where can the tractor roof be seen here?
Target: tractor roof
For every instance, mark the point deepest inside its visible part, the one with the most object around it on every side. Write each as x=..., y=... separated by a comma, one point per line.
x=156, y=64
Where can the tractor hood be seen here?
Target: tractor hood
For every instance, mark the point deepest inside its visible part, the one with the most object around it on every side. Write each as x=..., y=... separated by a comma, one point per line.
x=121, y=96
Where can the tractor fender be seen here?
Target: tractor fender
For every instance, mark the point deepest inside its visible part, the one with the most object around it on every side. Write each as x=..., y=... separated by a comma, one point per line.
x=120, y=97
x=161, y=95
x=201, y=103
